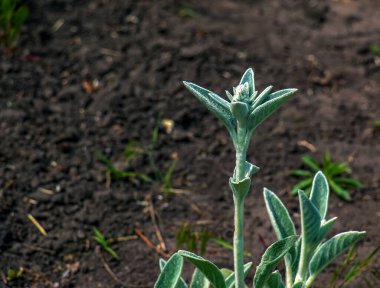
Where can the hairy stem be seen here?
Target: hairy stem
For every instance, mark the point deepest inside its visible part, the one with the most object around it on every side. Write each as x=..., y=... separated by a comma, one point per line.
x=241, y=151
x=239, y=243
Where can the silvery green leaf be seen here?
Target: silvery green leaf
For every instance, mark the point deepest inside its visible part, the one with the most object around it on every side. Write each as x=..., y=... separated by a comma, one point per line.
x=240, y=112
x=170, y=274
x=296, y=258
x=331, y=249
x=326, y=227
x=181, y=283
x=229, y=95
x=263, y=111
x=275, y=280
x=198, y=280
x=281, y=222
x=226, y=272
x=250, y=169
x=208, y=268
x=310, y=220
x=271, y=258
x=299, y=285
x=310, y=226
x=249, y=77
x=230, y=280
x=215, y=103
x=320, y=193
x=263, y=97
x=240, y=189
x=279, y=215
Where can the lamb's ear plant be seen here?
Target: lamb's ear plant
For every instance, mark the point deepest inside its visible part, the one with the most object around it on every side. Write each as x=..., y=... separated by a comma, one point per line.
x=305, y=255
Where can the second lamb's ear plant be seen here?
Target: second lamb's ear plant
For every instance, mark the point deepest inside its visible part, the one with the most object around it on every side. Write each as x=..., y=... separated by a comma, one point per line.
x=305, y=255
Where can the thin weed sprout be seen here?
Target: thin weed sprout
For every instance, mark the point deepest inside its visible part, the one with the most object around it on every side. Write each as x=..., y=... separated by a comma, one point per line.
x=12, y=17
x=134, y=149
x=305, y=254
x=335, y=173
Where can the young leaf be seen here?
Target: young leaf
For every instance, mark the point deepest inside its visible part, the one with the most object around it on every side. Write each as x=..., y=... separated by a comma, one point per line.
x=326, y=227
x=249, y=77
x=331, y=249
x=271, y=258
x=275, y=280
x=181, y=283
x=263, y=97
x=264, y=110
x=216, y=104
x=320, y=193
x=230, y=280
x=170, y=274
x=198, y=280
x=208, y=268
x=240, y=112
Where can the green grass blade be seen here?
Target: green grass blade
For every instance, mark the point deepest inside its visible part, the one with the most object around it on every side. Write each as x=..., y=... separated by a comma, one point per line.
x=302, y=185
x=309, y=161
x=342, y=193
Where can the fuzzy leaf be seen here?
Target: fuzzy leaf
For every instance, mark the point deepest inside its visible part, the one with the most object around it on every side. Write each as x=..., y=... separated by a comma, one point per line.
x=271, y=258
x=264, y=110
x=181, y=283
x=326, y=227
x=320, y=194
x=241, y=188
x=230, y=280
x=331, y=249
x=275, y=280
x=299, y=285
x=198, y=280
x=215, y=103
x=263, y=97
x=249, y=77
x=208, y=268
x=170, y=274
x=240, y=112
x=310, y=221
x=250, y=169
x=279, y=215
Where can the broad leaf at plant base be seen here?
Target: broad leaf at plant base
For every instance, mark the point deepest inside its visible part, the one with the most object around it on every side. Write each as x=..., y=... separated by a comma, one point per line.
x=272, y=256
x=209, y=269
x=230, y=280
x=198, y=280
x=171, y=273
x=331, y=249
x=181, y=283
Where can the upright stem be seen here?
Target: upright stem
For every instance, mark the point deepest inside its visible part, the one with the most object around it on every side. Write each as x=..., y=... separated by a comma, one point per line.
x=239, y=243
x=239, y=210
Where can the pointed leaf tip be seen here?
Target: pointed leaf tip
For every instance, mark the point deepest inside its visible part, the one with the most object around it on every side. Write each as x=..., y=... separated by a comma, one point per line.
x=216, y=104
x=249, y=77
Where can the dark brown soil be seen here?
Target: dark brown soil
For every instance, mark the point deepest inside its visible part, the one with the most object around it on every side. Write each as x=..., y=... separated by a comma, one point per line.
x=52, y=122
